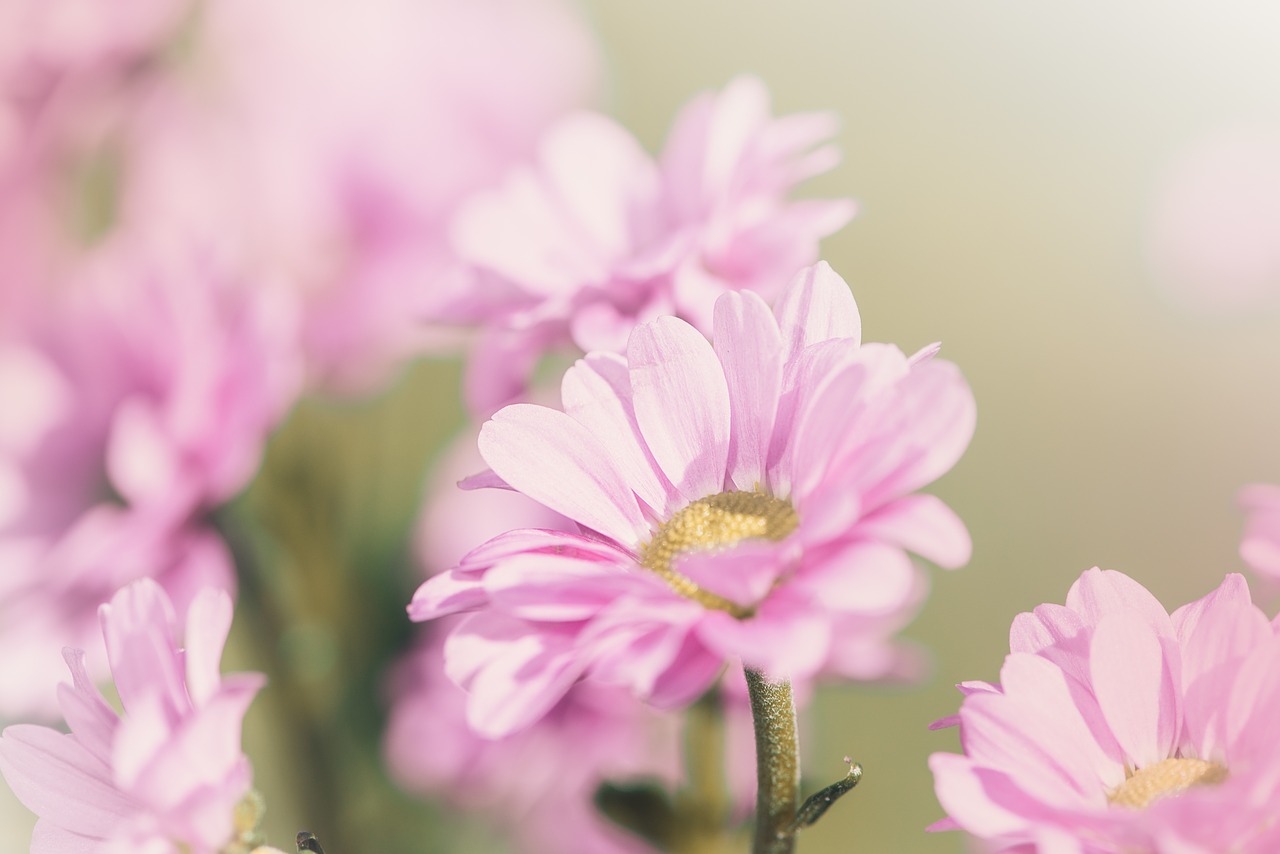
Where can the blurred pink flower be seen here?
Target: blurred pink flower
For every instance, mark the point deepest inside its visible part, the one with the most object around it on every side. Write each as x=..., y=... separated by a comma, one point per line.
x=538, y=783
x=750, y=500
x=1214, y=238
x=1260, y=546
x=329, y=144
x=597, y=236
x=168, y=775
x=1117, y=727
x=145, y=394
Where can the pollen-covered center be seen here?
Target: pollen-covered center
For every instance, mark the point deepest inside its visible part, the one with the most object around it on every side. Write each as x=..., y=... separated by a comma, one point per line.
x=711, y=523
x=1166, y=778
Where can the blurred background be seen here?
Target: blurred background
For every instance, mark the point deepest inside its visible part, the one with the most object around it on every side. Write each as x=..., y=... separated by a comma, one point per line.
x=1080, y=201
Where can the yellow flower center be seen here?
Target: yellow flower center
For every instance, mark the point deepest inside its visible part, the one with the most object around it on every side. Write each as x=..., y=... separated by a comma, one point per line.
x=711, y=523
x=1166, y=778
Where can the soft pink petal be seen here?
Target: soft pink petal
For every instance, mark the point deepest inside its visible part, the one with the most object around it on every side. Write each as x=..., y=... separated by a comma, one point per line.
x=452, y=592
x=681, y=404
x=208, y=622
x=817, y=306
x=749, y=346
x=513, y=675
x=87, y=714
x=924, y=525
x=559, y=463
x=553, y=588
x=865, y=577
x=784, y=638
x=596, y=392
x=47, y=838
x=974, y=796
x=1136, y=680
x=138, y=627
x=56, y=779
x=1099, y=592
x=743, y=574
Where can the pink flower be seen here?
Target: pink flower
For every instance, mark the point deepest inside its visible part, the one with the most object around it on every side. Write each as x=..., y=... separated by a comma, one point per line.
x=169, y=774
x=1118, y=727
x=144, y=398
x=596, y=235
x=328, y=145
x=751, y=500
x=538, y=783
x=1260, y=547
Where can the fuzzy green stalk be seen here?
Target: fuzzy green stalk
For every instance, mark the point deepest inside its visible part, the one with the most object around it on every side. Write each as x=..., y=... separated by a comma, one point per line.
x=777, y=763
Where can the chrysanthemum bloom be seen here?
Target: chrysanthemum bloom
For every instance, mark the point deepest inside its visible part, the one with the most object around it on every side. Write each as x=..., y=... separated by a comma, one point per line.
x=539, y=783
x=1260, y=547
x=596, y=236
x=752, y=500
x=1117, y=727
x=143, y=399
x=166, y=777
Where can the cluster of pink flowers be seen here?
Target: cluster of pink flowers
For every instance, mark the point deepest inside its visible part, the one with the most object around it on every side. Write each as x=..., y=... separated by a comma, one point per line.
x=207, y=210
x=169, y=775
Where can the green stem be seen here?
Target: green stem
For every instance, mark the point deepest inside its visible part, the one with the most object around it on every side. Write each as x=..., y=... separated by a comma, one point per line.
x=777, y=763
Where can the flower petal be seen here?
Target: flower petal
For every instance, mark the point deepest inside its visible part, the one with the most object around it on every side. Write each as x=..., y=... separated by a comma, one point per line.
x=1136, y=680
x=559, y=463
x=749, y=346
x=55, y=778
x=682, y=404
x=924, y=525
x=596, y=392
x=816, y=306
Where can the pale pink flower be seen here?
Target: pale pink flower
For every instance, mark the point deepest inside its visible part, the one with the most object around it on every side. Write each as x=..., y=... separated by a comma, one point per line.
x=143, y=398
x=329, y=144
x=168, y=774
x=539, y=783
x=1117, y=727
x=1260, y=546
x=595, y=235
x=752, y=500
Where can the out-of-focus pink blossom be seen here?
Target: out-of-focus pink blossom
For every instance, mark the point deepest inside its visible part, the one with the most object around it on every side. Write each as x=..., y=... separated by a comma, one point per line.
x=749, y=500
x=1215, y=232
x=538, y=783
x=1118, y=727
x=596, y=236
x=1260, y=546
x=139, y=397
x=329, y=145
x=169, y=773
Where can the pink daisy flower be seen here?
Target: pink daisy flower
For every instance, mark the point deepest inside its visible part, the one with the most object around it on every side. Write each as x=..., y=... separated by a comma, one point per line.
x=596, y=235
x=168, y=775
x=1117, y=727
x=1260, y=546
x=749, y=500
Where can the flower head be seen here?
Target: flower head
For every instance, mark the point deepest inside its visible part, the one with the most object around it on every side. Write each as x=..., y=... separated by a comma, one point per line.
x=596, y=235
x=168, y=775
x=1119, y=727
x=749, y=500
